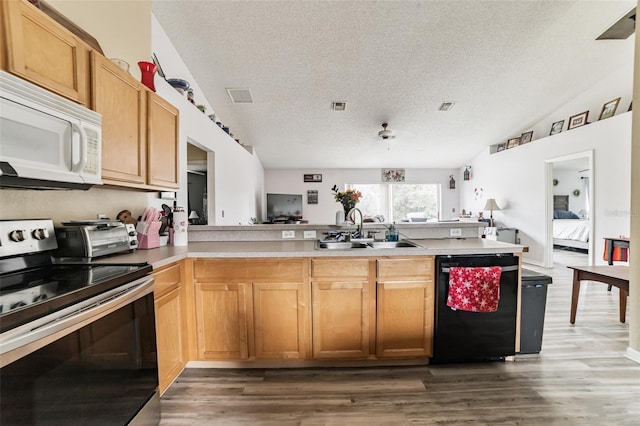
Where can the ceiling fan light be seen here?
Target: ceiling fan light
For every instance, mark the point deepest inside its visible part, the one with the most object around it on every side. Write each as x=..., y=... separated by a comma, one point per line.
x=385, y=133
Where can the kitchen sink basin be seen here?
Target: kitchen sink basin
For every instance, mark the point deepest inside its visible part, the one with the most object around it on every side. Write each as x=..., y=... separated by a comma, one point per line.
x=340, y=245
x=348, y=245
x=393, y=244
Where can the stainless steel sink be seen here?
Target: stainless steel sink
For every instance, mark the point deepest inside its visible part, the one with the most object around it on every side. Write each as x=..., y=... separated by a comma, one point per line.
x=348, y=245
x=393, y=244
x=340, y=245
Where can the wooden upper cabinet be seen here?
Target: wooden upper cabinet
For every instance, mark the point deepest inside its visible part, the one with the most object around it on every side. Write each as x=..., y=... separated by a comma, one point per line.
x=121, y=101
x=162, y=142
x=42, y=51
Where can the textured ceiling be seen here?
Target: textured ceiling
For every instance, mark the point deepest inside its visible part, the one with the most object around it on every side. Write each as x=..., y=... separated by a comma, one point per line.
x=506, y=64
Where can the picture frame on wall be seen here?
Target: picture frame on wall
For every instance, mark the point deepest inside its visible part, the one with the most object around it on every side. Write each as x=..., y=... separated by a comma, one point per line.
x=556, y=127
x=312, y=196
x=526, y=137
x=609, y=109
x=313, y=178
x=502, y=146
x=513, y=142
x=392, y=175
x=578, y=120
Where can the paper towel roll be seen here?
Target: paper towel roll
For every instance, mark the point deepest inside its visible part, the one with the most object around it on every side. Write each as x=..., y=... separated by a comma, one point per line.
x=180, y=224
x=339, y=217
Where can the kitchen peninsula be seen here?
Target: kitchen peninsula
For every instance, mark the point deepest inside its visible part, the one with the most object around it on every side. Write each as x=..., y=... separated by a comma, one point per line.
x=286, y=303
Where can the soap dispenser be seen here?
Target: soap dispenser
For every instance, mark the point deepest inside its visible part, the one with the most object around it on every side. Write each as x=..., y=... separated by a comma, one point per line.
x=392, y=233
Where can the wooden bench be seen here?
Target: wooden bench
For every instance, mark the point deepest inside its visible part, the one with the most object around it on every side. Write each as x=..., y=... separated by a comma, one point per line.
x=617, y=276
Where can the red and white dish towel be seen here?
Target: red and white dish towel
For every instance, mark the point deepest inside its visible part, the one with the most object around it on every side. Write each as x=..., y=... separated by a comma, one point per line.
x=475, y=289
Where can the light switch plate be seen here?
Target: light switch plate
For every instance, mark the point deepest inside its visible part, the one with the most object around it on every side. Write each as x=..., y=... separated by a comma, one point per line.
x=288, y=234
x=455, y=232
x=310, y=234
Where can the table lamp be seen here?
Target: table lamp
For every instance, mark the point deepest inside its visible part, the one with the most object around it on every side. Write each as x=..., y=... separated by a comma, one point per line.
x=491, y=206
x=193, y=216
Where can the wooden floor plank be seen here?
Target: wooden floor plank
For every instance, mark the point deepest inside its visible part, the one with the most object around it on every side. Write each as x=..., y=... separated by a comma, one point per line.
x=581, y=377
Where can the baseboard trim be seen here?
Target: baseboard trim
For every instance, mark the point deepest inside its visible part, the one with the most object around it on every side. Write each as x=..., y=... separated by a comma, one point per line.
x=633, y=355
x=308, y=363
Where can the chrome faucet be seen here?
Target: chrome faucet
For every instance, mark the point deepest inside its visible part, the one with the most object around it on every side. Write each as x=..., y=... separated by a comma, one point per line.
x=359, y=226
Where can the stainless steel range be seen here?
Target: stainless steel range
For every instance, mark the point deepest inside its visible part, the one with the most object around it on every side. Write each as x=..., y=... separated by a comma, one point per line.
x=77, y=341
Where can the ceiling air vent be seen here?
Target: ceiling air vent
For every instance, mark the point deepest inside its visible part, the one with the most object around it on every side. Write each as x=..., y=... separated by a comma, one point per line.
x=446, y=106
x=338, y=106
x=622, y=29
x=240, y=96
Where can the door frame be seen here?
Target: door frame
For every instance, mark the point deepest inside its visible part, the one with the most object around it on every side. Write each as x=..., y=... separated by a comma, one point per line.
x=548, y=167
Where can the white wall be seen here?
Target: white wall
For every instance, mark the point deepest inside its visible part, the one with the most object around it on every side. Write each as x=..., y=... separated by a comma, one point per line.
x=291, y=181
x=235, y=175
x=516, y=179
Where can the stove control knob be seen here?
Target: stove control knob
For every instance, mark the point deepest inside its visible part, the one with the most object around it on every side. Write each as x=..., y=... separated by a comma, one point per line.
x=40, y=234
x=17, y=235
x=133, y=243
x=132, y=233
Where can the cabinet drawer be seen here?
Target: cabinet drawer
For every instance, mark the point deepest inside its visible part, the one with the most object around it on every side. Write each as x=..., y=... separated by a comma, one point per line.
x=340, y=268
x=167, y=279
x=248, y=270
x=414, y=267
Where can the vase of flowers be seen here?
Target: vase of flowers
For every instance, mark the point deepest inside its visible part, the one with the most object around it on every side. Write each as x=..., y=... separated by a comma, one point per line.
x=348, y=198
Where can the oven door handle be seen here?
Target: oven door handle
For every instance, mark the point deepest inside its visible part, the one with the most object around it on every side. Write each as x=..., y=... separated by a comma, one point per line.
x=25, y=339
x=511, y=268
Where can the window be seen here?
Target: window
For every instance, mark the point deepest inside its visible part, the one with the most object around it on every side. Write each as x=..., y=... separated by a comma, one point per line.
x=399, y=201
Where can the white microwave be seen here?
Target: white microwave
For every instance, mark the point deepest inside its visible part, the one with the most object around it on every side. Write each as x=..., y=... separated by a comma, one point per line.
x=46, y=141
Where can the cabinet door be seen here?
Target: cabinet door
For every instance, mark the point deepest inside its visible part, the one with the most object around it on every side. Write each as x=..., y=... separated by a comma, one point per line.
x=162, y=143
x=121, y=101
x=44, y=52
x=170, y=337
x=280, y=320
x=171, y=320
x=341, y=323
x=221, y=320
x=405, y=319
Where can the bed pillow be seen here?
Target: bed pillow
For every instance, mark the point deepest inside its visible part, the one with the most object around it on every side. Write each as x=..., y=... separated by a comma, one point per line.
x=564, y=214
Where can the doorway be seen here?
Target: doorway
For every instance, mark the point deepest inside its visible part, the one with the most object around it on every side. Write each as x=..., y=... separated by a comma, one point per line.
x=570, y=206
x=197, y=181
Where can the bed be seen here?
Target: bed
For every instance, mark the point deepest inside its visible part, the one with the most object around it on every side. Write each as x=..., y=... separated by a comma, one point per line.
x=569, y=230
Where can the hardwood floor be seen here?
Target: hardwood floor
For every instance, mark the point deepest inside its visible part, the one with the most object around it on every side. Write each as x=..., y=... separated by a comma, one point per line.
x=581, y=377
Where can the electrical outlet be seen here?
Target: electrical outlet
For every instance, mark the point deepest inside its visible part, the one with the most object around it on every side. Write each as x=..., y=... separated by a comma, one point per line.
x=288, y=234
x=455, y=232
x=309, y=234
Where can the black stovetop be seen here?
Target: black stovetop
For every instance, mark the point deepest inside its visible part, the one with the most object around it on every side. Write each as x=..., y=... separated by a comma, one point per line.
x=35, y=292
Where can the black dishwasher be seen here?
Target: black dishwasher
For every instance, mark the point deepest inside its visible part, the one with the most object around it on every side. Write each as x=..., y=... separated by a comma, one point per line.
x=476, y=336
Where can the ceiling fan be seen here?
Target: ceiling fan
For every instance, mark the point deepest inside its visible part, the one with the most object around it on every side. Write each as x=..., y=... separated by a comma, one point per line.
x=386, y=133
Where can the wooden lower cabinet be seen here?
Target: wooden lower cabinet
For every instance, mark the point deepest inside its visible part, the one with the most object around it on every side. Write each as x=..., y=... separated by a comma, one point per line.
x=280, y=320
x=171, y=321
x=342, y=305
x=405, y=297
x=252, y=309
x=222, y=320
x=334, y=308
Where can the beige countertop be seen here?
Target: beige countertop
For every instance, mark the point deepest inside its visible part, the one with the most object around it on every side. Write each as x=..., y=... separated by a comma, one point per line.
x=162, y=256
